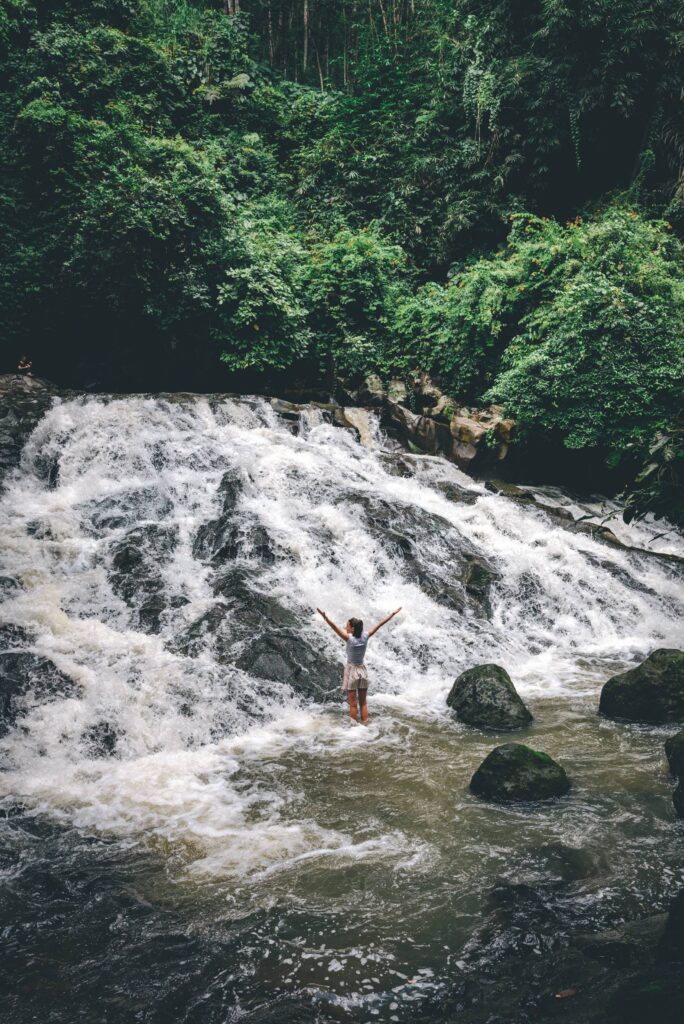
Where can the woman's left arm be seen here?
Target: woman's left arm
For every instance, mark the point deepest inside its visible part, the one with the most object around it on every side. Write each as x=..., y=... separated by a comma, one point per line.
x=382, y=622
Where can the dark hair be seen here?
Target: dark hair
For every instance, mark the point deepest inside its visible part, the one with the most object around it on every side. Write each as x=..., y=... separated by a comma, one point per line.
x=357, y=627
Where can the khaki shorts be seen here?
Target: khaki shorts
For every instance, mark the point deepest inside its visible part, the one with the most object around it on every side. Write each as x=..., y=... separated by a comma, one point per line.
x=355, y=677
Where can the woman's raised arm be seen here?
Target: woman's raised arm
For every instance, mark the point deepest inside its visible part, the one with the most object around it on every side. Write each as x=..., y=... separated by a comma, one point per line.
x=382, y=622
x=340, y=633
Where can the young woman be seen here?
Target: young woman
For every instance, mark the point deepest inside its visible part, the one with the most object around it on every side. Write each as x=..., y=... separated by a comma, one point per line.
x=355, y=680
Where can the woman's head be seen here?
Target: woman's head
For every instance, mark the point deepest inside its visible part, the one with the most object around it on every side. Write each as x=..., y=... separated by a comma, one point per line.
x=355, y=626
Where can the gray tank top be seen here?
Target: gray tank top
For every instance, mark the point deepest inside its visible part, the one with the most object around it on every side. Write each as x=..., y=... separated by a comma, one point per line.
x=356, y=649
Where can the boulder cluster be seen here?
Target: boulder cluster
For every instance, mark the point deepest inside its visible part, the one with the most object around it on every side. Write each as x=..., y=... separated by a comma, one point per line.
x=653, y=694
x=484, y=697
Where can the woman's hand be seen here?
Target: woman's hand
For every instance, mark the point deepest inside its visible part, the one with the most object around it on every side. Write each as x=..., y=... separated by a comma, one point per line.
x=321, y=612
x=397, y=611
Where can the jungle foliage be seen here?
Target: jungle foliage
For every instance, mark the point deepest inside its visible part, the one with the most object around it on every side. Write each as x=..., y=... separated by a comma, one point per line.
x=491, y=192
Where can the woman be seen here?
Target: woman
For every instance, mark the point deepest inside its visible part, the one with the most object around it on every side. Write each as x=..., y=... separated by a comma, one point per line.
x=355, y=680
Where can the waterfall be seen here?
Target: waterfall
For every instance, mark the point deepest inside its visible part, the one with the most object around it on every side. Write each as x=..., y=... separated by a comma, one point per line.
x=165, y=558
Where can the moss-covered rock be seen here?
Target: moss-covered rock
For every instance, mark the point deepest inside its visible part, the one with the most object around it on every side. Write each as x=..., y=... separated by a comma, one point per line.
x=674, y=749
x=653, y=692
x=516, y=772
x=484, y=696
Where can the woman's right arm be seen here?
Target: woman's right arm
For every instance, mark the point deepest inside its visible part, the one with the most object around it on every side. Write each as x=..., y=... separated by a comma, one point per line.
x=342, y=636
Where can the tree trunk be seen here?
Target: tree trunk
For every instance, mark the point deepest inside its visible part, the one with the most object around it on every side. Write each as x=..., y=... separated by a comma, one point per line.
x=305, y=41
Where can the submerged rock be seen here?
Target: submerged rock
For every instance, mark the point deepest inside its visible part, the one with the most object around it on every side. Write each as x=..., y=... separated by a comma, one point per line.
x=25, y=679
x=484, y=696
x=570, y=863
x=653, y=692
x=671, y=946
x=516, y=772
x=101, y=739
x=674, y=750
x=627, y=944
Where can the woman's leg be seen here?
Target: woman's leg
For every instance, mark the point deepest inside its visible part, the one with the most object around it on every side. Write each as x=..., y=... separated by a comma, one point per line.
x=353, y=710
x=363, y=707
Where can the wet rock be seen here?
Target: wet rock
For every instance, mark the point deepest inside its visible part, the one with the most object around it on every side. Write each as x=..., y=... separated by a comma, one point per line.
x=519, y=494
x=398, y=463
x=485, y=697
x=231, y=536
x=478, y=577
x=255, y=633
x=284, y=657
x=440, y=560
x=674, y=750
x=136, y=576
x=23, y=401
x=678, y=800
x=652, y=693
x=516, y=772
x=100, y=516
x=571, y=863
x=287, y=410
x=225, y=539
x=25, y=679
x=454, y=492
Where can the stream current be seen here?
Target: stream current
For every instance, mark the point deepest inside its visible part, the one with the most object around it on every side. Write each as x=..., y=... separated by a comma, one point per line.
x=192, y=830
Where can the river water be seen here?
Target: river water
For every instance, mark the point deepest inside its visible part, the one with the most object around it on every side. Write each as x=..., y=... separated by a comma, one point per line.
x=189, y=837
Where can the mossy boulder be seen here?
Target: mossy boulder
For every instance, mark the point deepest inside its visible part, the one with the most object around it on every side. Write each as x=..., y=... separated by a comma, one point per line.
x=674, y=750
x=516, y=772
x=484, y=696
x=652, y=693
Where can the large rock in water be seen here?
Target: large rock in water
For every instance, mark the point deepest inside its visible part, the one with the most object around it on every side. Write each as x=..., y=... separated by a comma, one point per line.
x=678, y=800
x=484, y=696
x=653, y=692
x=516, y=772
x=674, y=750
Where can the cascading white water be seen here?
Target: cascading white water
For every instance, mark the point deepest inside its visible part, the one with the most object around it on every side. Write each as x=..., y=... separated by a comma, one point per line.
x=565, y=612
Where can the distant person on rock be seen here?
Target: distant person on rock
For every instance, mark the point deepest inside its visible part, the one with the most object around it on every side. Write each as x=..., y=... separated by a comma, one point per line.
x=355, y=679
x=24, y=366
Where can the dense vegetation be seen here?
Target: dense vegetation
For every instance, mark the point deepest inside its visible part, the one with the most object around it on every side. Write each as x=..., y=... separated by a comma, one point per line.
x=488, y=191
